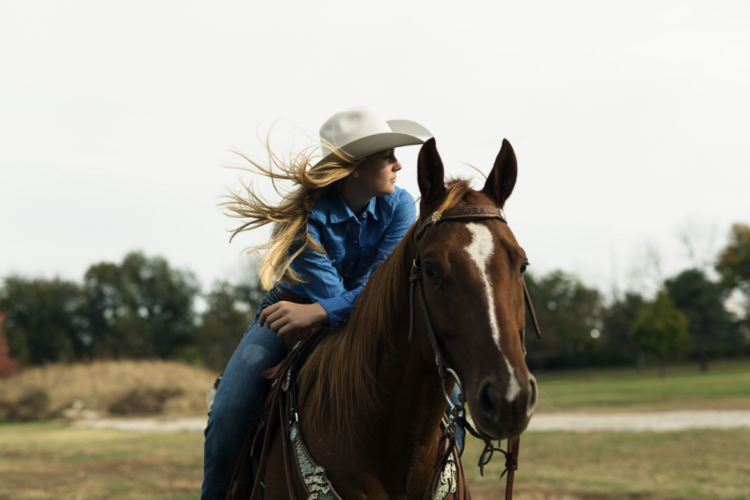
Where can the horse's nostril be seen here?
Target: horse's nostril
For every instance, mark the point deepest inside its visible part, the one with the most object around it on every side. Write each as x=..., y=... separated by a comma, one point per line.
x=532, y=394
x=487, y=401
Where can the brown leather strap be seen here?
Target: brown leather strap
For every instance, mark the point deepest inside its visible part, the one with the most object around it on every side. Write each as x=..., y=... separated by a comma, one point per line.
x=512, y=465
x=266, y=442
x=292, y=338
x=530, y=307
x=288, y=296
x=463, y=212
x=446, y=445
x=463, y=484
x=416, y=280
x=272, y=372
x=285, y=443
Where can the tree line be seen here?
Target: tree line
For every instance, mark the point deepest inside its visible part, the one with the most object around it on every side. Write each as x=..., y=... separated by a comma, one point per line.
x=141, y=308
x=145, y=308
x=686, y=319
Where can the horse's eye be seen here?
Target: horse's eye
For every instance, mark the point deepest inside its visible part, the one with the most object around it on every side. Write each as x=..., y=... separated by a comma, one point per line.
x=430, y=273
x=524, y=265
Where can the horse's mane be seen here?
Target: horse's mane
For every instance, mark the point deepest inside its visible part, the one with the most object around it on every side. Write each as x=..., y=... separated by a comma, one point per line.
x=340, y=374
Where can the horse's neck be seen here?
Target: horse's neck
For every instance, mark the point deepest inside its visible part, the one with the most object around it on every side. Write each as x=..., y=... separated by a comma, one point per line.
x=412, y=405
x=392, y=448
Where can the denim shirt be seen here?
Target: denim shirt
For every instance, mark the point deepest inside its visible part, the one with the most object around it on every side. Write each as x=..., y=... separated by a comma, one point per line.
x=355, y=247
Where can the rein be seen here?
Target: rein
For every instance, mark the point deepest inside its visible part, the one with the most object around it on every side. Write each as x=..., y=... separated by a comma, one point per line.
x=457, y=417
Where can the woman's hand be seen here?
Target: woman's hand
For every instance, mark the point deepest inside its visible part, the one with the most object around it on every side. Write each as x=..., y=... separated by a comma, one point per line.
x=284, y=317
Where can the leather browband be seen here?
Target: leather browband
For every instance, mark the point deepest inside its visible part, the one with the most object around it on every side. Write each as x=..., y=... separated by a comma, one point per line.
x=471, y=212
x=463, y=212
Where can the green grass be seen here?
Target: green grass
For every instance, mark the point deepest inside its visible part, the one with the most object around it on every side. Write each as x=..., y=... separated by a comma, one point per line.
x=688, y=465
x=725, y=386
x=51, y=461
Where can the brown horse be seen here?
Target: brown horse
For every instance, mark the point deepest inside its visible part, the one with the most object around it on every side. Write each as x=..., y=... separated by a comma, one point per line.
x=370, y=403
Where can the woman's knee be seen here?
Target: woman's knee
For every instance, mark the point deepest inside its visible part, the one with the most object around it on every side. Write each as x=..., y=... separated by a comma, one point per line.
x=274, y=349
x=254, y=357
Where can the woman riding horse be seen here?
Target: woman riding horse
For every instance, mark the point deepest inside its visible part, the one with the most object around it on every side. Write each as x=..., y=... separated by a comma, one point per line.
x=329, y=234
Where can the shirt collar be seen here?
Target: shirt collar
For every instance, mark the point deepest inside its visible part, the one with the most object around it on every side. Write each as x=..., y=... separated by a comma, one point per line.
x=341, y=212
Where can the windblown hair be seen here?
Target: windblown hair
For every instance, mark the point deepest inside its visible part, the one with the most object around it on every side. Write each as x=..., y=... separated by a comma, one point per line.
x=289, y=218
x=340, y=376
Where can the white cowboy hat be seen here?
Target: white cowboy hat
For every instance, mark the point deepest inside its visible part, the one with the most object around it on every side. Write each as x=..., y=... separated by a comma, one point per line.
x=359, y=132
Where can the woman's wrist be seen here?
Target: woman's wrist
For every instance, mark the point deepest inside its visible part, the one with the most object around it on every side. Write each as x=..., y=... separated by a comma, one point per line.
x=320, y=314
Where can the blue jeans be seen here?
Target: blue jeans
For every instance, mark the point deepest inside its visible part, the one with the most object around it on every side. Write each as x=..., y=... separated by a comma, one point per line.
x=236, y=402
x=459, y=431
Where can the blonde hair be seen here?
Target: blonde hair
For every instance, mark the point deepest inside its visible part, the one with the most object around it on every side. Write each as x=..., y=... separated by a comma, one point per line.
x=289, y=217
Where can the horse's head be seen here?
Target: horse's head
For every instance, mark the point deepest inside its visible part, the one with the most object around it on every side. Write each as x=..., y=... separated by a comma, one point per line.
x=472, y=272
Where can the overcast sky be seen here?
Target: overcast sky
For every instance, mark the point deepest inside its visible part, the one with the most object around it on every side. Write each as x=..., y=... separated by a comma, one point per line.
x=630, y=120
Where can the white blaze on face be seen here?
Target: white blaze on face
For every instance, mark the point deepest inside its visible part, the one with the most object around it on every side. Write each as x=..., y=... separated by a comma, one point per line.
x=513, y=387
x=480, y=250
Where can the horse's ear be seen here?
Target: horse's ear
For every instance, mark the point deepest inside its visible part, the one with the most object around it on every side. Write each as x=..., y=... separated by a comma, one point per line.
x=430, y=173
x=502, y=179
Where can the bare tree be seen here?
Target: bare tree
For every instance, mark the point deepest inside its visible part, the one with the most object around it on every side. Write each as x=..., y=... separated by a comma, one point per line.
x=699, y=240
x=647, y=272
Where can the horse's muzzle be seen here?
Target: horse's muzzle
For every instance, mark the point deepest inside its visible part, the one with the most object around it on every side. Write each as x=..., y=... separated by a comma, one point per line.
x=503, y=413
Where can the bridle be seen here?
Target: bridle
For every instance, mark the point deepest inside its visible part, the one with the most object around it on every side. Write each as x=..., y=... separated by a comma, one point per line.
x=466, y=213
x=463, y=213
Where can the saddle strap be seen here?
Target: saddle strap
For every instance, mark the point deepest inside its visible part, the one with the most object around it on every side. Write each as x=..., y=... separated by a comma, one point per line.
x=284, y=447
x=239, y=469
x=239, y=485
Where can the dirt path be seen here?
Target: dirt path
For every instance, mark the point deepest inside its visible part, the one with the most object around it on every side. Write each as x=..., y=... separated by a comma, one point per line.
x=572, y=422
x=653, y=421
x=161, y=424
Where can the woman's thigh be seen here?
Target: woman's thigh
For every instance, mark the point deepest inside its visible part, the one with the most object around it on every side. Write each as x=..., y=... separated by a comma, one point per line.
x=241, y=387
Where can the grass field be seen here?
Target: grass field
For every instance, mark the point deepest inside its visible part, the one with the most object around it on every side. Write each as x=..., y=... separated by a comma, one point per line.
x=50, y=460
x=685, y=465
x=726, y=386
x=46, y=460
